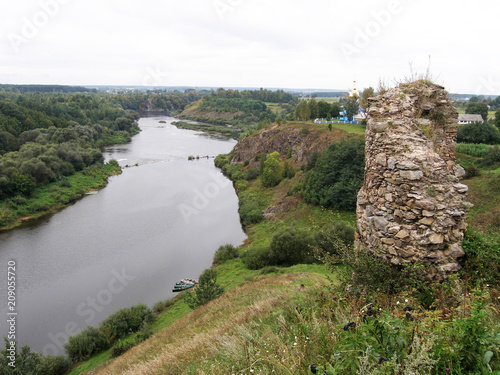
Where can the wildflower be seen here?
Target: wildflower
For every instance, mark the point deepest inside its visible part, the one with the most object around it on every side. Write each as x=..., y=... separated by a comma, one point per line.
x=294, y=344
x=397, y=303
x=467, y=296
x=406, y=300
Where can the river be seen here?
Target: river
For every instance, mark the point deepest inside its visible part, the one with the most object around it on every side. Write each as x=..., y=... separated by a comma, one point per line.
x=161, y=220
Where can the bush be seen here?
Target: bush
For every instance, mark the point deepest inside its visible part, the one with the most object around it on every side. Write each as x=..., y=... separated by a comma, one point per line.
x=225, y=253
x=493, y=156
x=288, y=171
x=478, y=133
x=471, y=171
x=482, y=257
x=331, y=237
x=337, y=176
x=241, y=185
x=28, y=362
x=88, y=342
x=206, y=291
x=126, y=321
x=289, y=246
x=159, y=306
x=257, y=258
x=251, y=174
x=364, y=272
x=272, y=171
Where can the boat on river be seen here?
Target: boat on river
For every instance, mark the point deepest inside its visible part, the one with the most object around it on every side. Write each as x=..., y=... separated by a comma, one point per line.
x=184, y=284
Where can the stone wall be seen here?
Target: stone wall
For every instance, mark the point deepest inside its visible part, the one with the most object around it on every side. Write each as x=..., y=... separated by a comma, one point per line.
x=412, y=205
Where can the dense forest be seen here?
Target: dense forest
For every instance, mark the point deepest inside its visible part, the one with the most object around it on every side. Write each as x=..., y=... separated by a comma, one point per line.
x=46, y=136
x=241, y=108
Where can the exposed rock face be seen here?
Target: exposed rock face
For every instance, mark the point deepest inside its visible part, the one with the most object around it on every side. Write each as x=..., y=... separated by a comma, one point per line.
x=282, y=139
x=412, y=206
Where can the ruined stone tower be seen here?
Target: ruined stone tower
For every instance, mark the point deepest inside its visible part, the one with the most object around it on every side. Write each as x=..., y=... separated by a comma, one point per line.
x=412, y=206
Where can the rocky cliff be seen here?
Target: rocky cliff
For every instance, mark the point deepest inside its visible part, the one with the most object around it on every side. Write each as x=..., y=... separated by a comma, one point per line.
x=412, y=206
x=284, y=139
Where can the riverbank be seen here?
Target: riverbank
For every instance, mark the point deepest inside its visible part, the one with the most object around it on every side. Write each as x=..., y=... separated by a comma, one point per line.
x=291, y=320
x=224, y=130
x=53, y=197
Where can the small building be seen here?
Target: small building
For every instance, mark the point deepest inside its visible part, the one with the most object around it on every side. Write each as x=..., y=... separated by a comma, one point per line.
x=469, y=119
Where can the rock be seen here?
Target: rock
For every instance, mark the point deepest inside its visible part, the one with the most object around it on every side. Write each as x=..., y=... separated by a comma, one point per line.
x=391, y=162
x=381, y=159
x=412, y=175
x=407, y=165
x=436, y=238
x=461, y=188
x=402, y=234
x=412, y=197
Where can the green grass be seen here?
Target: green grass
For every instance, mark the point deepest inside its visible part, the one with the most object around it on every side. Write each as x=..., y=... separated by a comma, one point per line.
x=54, y=196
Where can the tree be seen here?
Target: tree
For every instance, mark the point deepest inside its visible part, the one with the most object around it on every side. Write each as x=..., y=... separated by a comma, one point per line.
x=324, y=109
x=479, y=132
x=335, y=111
x=497, y=119
x=302, y=111
x=206, y=291
x=337, y=176
x=313, y=108
x=351, y=107
x=271, y=174
x=478, y=108
x=289, y=246
x=367, y=93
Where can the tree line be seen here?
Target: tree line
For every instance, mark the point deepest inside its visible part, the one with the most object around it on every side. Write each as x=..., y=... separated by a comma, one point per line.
x=47, y=136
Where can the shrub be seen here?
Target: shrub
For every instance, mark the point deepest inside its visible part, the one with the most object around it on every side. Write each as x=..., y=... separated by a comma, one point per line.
x=251, y=174
x=241, y=185
x=482, y=257
x=471, y=171
x=478, y=133
x=206, y=291
x=331, y=237
x=257, y=257
x=288, y=171
x=493, y=156
x=289, y=246
x=337, y=176
x=364, y=272
x=88, y=342
x=126, y=321
x=225, y=253
x=272, y=171
x=305, y=130
x=159, y=306
x=28, y=362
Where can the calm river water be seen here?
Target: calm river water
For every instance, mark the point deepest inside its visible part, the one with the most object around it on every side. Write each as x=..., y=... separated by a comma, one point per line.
x=158, y=222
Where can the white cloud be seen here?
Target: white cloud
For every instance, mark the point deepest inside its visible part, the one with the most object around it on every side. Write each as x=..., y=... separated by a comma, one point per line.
x=254, y=43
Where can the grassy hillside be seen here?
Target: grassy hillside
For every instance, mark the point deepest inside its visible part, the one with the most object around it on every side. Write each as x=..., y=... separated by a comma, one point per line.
x=289, y=320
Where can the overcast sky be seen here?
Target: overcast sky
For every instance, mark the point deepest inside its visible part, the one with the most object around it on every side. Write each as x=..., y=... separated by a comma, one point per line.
x=323, y=44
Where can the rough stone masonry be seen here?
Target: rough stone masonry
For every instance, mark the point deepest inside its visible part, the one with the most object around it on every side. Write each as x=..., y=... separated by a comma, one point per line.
x=412, y=206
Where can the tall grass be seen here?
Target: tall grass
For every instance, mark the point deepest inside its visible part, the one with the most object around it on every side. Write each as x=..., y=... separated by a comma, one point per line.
x=473, y=149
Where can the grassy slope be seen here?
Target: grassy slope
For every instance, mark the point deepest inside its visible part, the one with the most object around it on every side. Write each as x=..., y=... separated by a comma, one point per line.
x=205, y=340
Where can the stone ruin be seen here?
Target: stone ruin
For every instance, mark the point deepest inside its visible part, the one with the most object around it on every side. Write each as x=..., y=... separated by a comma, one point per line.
x=412, y=206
